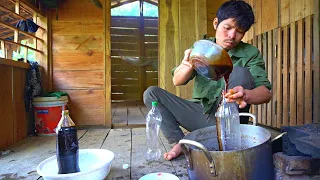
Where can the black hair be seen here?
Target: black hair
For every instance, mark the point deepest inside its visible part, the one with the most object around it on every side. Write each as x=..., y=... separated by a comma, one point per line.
x=239, y=10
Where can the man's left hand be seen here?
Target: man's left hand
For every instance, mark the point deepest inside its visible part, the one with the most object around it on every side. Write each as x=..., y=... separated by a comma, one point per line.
x=237, y=94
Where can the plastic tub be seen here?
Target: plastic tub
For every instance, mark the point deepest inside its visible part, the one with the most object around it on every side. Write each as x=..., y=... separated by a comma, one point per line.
x=94, y=164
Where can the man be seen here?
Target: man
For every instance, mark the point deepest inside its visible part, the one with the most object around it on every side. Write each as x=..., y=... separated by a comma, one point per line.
x=248, y=79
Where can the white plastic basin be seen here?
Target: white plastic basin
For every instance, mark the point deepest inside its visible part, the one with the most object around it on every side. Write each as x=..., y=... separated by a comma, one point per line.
x=93, y=163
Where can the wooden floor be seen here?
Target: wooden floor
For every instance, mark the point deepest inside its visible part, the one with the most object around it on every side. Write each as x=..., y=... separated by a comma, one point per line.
x=129, y=114
x=126, y=139
x=127, y=144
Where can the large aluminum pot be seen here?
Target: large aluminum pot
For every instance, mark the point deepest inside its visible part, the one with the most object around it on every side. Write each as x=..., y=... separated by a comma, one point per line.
x=253, y=162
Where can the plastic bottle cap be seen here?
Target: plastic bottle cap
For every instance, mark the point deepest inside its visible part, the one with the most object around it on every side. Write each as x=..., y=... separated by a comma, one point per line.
x=65, y=112
x=154, y=103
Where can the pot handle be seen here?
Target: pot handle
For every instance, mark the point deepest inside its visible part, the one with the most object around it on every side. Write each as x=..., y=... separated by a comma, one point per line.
x=182, y=142
x=254, y=119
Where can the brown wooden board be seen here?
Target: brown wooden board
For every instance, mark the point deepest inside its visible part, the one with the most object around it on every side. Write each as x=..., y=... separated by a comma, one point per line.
x=124, y=52
x=78, y=79
x=84, y=116
x=131, y=74
x=265, y=57
x=122, y=81
x=125, y=22
x=293, y=77
x=275, y=59
x=269, y=15
x=151, y=30
x=308, y=72
x=255, y=107
x=300, y=73
x=123, y=31
x=127, y=39
x=124, y=45
x=7, y=121
x=316, y=64
x=149, y=39
x=259, y=46
x=279, y=100
x=187, y=13
x=120, y=117
x=269, y=107
x=168, y=43
x=125, y=89
x=126, y=96
x=135, y=116
x=93, y=139
x=285, y=71
x=77, y=42
x=119, y=142
x=78, y=60
x=151, y=22
x=87, y=98
x=19, y=111
x=257, y=9
x=86, y=102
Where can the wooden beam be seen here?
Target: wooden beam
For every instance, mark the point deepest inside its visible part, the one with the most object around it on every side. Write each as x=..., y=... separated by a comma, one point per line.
x=107, y=61
x=122, y=3
x=17, y=15
x=16, y=30
x=29, y=7
x=2, y=48
x=11, y=42
x=151, y=2
x=10, y=62
x=316, y=63
x=142, y=52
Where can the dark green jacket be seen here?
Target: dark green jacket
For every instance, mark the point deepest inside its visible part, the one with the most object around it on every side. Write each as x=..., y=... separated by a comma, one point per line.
x=244, y=55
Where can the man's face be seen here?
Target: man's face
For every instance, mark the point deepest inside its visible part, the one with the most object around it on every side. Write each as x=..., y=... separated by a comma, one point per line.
x=228, y=35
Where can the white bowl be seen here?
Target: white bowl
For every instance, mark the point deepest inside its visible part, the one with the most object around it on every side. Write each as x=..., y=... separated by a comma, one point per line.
x=159, y=176
x=93, y=163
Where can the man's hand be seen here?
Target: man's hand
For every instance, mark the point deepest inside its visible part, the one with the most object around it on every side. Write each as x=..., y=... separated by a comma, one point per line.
x=185, y=59
x=237, y=94
x=184, y=70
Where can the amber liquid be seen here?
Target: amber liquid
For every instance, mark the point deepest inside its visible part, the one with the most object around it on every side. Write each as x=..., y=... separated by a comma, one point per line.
x=215, y=67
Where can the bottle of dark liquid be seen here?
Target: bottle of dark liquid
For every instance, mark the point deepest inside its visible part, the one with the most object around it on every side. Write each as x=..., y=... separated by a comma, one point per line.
x=67, y=145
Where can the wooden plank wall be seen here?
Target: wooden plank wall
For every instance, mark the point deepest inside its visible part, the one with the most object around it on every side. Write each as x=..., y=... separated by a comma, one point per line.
x=212, y=8
x=272, y=14
x=78, y=60
x=131, y=76
x=292, y=67
x=182, y=22
x=13, y=116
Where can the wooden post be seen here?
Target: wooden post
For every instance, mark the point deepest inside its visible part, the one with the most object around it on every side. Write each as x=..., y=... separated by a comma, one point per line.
x=3, y=49
x=107, y=61
x=142, y=52
x=45, y=59
x=316, y=62
x=16, y=32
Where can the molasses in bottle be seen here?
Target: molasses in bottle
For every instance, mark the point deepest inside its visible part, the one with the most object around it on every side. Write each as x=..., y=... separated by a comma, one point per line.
x=67, y=145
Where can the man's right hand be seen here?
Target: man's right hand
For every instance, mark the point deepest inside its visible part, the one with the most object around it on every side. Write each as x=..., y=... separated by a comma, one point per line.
x=184, y=70
x=186, y=60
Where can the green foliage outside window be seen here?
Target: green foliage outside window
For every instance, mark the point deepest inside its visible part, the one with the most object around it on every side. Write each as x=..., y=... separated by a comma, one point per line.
x=132, y=9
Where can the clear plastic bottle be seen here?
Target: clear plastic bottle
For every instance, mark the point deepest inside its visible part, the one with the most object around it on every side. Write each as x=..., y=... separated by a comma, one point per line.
x=229, y=123
x=152, y=131
x=67, y=145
